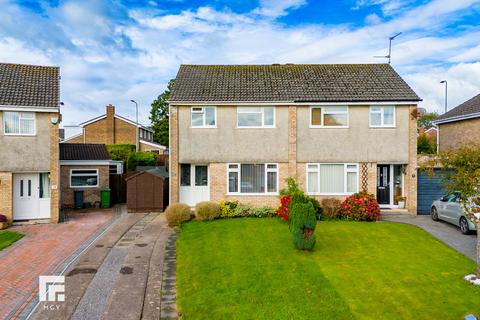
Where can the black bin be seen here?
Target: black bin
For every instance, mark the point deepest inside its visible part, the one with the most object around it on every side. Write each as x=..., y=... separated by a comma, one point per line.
x=78, y=199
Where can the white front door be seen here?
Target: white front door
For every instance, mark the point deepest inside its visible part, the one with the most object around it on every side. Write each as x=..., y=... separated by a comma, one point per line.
x=194, y=184
x=29, y=202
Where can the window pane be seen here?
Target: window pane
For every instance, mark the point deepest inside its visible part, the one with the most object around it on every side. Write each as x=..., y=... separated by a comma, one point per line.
x=375, y=119
x=351, y=182
x=75, y=172
x=26, y=126
x=80, y=181
x=388, y=116
x=201, y=175
x=268, y=114
x=233, y=182
x=335, y=120
x=316, y=116
x=27, y=115
x=197, y=119
x=249, y=119
x=44, y=185
x=210, y=116
x=29, y=188
x=252, y=178
x=271, y=182
x=250, y=109
x=331, y=178
x=312, y=182
x=11, y=120
x=185, y=174
x=335, y=109
x=21, y=188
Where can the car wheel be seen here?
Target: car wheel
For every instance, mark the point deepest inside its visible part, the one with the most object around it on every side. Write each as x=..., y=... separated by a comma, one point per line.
x=464, y=226
x=434, y=214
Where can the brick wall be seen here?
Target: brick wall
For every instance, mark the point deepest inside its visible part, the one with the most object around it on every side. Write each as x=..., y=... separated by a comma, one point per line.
x=6, y=195
x=174, y=165
x=54, y=172
x=124, y=132
x=90, y=194
x=410, y=183
x=453, y=134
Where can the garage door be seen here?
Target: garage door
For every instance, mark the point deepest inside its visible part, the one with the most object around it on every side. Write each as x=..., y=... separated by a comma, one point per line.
x=429, y=189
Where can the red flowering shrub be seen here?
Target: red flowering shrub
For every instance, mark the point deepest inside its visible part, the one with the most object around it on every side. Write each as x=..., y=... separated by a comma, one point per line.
x=283, y=211
x=360, y=207
x=3, y=218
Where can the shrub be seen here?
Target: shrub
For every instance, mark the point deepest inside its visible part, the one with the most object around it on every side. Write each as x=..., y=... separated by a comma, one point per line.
x=243, y=210
x=264, y=212
x=141, y=159
x=227, y=208
x=303, y=222
x=177, y=214
x=298, y=196
x=3, y=218
x=361, y=207
x=331, y=208
x=207, y=210
x=283, y=211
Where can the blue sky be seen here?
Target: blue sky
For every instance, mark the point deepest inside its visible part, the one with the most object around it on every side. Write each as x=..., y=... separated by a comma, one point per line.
x=114, y=51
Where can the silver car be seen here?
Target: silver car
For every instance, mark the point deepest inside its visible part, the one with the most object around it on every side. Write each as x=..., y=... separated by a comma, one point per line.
x=449, y=209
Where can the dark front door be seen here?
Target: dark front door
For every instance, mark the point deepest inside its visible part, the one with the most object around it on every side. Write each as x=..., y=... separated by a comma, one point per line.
x=383, y=184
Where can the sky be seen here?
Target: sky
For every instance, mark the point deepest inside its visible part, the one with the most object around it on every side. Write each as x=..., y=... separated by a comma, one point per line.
x=114, y=51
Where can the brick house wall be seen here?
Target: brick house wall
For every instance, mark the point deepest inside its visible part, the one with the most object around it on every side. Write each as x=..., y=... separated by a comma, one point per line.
x=6, y=195
x=454, y=134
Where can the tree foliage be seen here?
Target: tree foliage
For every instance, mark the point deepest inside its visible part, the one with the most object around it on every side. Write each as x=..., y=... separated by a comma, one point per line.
x=426, y=145
x=426, y=121
x=159, y=116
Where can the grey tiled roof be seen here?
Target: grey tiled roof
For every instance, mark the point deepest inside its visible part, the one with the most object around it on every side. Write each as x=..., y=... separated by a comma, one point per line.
x=29, y=86
x=80, y=151
x=467, y=108
x=290, y=83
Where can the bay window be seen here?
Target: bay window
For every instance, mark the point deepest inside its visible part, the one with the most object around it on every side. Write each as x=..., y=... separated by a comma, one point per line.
x=382, y=116
x=332, y=178
x=255, y=117
x=19, y=123
x=326, y=117
x=252, y=178
x=204, y=117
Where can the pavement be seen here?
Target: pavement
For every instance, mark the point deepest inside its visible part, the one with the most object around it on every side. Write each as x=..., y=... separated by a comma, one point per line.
x=445, y=232
x=45, y=249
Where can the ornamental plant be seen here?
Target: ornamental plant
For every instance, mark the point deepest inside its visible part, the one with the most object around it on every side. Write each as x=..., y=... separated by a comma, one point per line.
x=302, y=225
x=283, y=210
x=3, y=218
x=360, y=207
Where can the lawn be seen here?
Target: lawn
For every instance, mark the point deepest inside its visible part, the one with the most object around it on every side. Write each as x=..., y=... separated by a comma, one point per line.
x=8, y=237
x=248, y=269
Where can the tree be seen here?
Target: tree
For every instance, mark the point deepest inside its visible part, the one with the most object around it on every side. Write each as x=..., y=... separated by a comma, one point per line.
x=159, y=116
x=426, y=121
x=426, y=145
x=462, y=174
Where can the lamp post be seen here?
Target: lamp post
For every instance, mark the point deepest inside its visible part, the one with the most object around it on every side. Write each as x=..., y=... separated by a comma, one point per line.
x=136, y=123
x=446, y=93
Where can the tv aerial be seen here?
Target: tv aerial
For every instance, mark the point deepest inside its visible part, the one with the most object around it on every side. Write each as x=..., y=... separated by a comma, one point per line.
x=389, y=56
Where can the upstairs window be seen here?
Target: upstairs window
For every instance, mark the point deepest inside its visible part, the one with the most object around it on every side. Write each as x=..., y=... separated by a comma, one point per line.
x=382, y=116
x=204, y=117
x=19, y=123
x=255, y=117
x=326, y=117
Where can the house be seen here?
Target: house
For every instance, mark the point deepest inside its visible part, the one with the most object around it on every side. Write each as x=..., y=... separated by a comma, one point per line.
x=112, y=128
x=238, y=131
x=84, y=171
x=29, y=164
x=459, y=125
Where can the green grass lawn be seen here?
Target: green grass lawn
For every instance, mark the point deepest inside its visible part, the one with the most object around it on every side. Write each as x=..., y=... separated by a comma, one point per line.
x=8, y=237
x=248, y=269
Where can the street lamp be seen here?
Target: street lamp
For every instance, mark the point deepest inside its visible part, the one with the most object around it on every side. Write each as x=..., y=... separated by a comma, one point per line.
x=136, y=122
x=446, y=96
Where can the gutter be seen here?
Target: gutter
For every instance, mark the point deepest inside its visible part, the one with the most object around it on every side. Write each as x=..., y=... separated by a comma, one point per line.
x=457, y=118
x=287, y=103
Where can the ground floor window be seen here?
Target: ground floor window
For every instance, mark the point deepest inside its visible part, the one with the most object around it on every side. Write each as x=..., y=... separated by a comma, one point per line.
x=83, y=178
x=253, y=178
x=332, y=178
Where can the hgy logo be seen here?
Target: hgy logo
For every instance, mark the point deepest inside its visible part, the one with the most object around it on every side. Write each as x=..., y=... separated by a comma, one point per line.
x=51, y=288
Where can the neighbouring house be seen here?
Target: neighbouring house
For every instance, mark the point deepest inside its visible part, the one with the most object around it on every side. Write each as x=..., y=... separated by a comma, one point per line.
x=29, y=164
x=112, y=128
x=84, y=171
x=147, y=190
x=431, y=133
x=459, y=125
x=238, y=131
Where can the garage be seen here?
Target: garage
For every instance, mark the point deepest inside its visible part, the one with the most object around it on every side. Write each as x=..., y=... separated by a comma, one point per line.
x=429, y=189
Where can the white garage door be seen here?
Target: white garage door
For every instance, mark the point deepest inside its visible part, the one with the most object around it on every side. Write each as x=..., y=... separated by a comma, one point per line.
x=31, y=196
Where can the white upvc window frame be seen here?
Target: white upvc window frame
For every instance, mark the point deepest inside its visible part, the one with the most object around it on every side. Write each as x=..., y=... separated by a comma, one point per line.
x=382, y=115
x=238, y=170
x=242, y=109
x=202, y=110
x=19, y=120
x=346, y=170
x=325, y=110
x=86, y=174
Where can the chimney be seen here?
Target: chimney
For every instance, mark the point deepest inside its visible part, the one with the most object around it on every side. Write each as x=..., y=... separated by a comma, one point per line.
x=110, y=123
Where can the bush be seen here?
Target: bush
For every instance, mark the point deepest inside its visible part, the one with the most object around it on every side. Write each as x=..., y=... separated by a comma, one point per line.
x=331, y=208
x=3, y=218
x=177, y=214
x=141, y=159
x=227, y=208
x=264, y=212
x=298, y=196
x=207, y=210
x=360, y=207
x=243, y=210
x=283, y=210
x=303, y=222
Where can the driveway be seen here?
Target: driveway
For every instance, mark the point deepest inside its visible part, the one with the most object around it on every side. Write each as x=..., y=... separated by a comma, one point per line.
x=44, y=250
x=445, y=232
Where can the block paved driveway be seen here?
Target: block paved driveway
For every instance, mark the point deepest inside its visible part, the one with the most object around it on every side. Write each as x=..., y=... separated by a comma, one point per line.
x=44, y=250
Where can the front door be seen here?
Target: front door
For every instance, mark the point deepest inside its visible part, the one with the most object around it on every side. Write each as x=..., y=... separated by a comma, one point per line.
x=383, y=184
x=28, y=203
x=194, y=184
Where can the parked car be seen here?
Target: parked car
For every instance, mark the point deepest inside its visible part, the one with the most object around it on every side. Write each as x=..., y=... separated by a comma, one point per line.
x=449, y=209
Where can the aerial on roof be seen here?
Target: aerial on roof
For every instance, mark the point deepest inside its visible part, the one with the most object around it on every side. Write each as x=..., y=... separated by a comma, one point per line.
x=29, y=86
x=468, y=109
x=290, y=83
x=80, y=151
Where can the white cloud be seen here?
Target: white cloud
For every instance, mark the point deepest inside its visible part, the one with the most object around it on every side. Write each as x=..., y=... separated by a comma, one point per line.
x=277, y=8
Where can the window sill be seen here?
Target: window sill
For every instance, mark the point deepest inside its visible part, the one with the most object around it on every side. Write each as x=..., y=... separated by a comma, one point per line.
x=19, y=135
x=213, y=127
x=329, y=127
x=329, y=194
x=383, y=127
x=83, y=187
x=256, y=127
x=251, y=194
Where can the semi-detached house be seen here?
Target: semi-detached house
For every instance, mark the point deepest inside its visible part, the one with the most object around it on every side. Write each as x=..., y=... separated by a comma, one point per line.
x=238, y=131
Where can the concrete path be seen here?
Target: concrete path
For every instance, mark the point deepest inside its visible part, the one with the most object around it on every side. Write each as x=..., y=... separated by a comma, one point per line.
x=445, y=232
x=121, y=276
